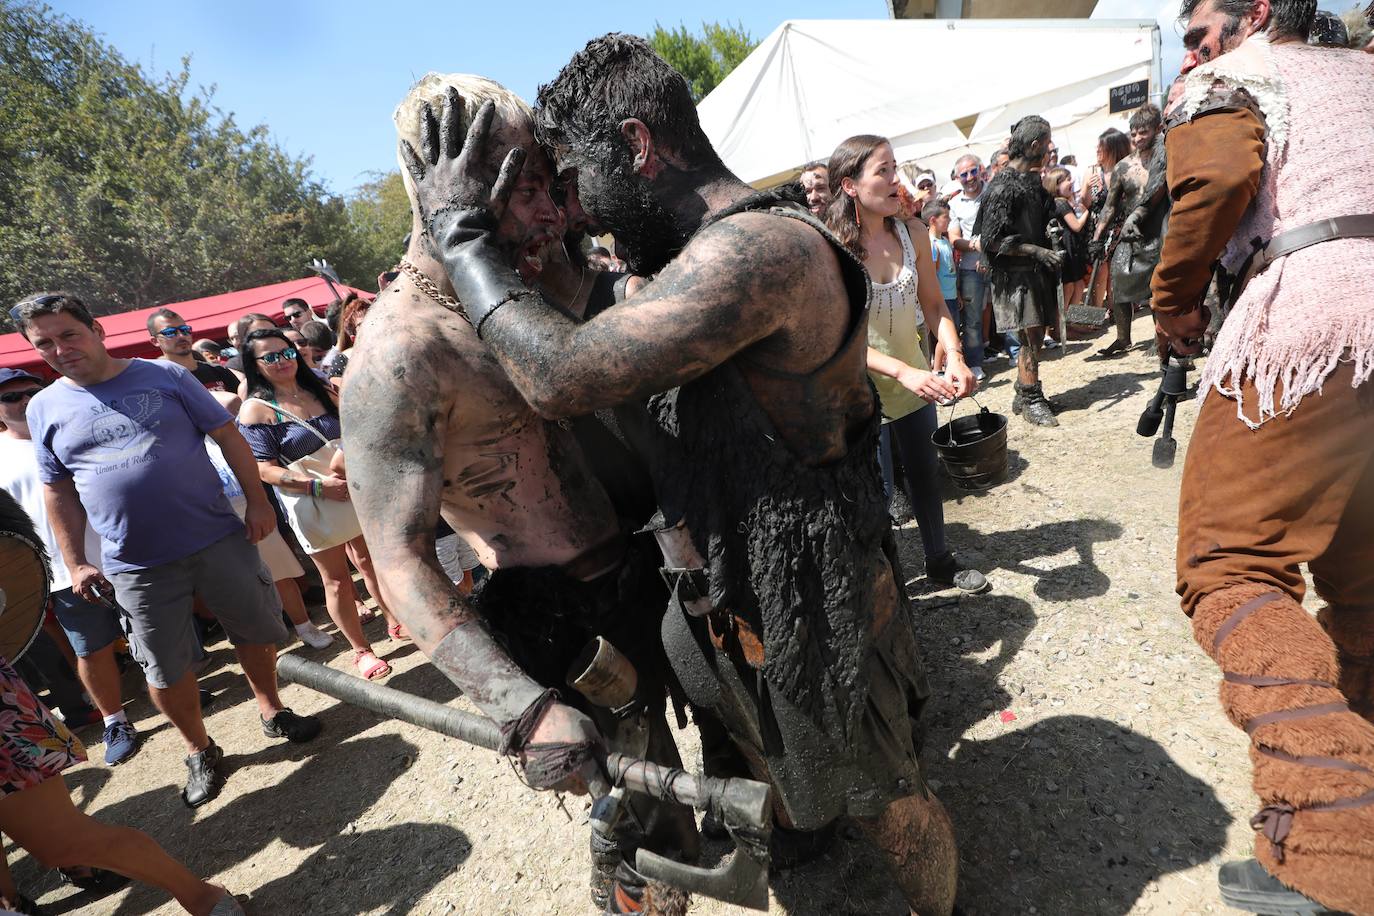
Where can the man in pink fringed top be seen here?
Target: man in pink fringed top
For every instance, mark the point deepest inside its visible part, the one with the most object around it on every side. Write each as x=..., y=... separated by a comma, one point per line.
x=1271, y=169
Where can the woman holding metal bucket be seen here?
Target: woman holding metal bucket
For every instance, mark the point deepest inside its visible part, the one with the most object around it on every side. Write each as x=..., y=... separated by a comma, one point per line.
x=863, y=214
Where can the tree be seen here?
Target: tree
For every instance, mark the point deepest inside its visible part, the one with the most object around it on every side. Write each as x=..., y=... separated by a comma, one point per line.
x=134, y=191
x=379, y=218
x=703, y=61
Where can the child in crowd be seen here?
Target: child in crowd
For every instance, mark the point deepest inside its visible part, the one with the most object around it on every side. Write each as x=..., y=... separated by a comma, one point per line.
x=936, y=217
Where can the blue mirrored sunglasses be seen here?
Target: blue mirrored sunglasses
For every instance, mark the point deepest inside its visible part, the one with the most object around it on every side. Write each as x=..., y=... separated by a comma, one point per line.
x=179, y=330
x=273, y=358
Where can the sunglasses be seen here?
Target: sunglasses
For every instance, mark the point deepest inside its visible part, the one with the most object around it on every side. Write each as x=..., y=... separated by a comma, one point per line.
x=292, y=316
x=925, y=184
x=40, y=301
x=14, y=397
x=180, y=330
x=971, y=173
x=273, y=358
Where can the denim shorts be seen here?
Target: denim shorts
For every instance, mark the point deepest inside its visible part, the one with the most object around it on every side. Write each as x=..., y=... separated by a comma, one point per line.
x=156, y=605
x=90, y=627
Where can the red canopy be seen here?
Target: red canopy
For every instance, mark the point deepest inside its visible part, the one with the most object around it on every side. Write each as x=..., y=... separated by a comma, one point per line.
x=126, y=334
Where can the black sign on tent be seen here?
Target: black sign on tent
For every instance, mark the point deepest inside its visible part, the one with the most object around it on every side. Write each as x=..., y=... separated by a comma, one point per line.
x=1129, y=96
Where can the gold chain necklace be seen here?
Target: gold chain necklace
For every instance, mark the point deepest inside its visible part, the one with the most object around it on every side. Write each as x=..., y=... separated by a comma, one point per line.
x=431, y=289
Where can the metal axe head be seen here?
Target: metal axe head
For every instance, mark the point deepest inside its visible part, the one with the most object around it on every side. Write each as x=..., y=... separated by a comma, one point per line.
x=742, y=879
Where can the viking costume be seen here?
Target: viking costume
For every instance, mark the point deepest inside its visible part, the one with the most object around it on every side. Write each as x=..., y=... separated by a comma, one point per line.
x=1133, y=260
x=1269, y=169
x=788, y=620
x=1017, y=211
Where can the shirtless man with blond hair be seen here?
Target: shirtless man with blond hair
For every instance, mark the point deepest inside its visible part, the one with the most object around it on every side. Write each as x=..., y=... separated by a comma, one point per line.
x=433, y=426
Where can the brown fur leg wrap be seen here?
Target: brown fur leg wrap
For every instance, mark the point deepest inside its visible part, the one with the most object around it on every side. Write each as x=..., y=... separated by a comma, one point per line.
x=1352, y=630
x=1313, y=759
x=665, y=900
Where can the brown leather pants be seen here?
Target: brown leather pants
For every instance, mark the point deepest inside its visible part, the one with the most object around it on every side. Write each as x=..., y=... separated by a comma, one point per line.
x=1255, y=506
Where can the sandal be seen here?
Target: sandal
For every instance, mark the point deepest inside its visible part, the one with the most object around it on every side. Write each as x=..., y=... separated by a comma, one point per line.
x=369, y=665
x=397, y=632
x=96, y=880
x=366, y=614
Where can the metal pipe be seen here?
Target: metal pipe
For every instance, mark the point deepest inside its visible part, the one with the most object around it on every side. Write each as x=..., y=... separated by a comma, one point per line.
x=386, y=701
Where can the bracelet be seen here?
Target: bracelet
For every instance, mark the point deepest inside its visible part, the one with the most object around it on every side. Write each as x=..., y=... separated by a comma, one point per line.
x=316, y=488
x=510, y=297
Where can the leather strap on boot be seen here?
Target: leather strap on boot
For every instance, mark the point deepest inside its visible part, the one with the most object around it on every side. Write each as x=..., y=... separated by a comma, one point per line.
x=1275, y=821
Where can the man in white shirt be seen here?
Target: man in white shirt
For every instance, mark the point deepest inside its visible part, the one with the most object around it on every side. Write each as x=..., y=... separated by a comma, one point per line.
x=91, y=628
x=973, y=278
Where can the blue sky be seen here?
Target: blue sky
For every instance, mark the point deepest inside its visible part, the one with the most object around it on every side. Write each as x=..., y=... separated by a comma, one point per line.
x=324, y=77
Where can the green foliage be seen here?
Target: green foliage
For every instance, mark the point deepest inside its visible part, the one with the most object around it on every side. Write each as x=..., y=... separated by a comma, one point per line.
x=379, y=218
x=704, y=61
x=134, y=191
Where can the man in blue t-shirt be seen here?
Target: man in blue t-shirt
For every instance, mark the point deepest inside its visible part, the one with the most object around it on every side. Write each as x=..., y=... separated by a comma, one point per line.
x=120, y=443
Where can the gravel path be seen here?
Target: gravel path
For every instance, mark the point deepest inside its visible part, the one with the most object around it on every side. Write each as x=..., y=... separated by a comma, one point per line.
x=1074, y=733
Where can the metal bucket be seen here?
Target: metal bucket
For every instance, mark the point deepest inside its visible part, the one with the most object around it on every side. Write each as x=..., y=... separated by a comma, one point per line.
x=973, y=449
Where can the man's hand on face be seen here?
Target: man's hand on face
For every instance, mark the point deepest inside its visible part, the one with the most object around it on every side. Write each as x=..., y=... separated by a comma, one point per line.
x=457, y=201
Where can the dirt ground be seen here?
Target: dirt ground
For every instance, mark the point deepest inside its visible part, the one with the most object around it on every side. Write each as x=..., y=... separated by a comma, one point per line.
x=1075, y=734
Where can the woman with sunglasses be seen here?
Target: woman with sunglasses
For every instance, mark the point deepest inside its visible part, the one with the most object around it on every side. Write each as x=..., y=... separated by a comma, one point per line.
x=906, y=298
x=280, y=385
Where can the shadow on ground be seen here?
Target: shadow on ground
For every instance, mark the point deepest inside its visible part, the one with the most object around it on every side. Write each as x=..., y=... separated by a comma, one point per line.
x=1069, y=814
x=1106, y=390
x=1019, y=549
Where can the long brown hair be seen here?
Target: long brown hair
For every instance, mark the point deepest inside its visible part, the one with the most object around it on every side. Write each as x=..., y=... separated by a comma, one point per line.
x=350, y=316
x=842, y=215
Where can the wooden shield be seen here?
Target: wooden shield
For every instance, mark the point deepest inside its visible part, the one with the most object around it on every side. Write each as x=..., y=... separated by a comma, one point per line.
x=23, y=593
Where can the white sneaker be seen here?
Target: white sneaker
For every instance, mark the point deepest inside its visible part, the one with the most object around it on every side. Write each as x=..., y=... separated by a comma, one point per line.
x=978, y=373
x=1051, y=343
x=313, y=636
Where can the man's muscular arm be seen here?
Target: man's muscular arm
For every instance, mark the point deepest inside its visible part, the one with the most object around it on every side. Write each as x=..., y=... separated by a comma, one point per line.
x=732, y=287
x=726, y=291
x=1214, y=166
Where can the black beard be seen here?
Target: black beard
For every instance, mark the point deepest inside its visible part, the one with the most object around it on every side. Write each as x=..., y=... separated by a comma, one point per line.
x=647, y=234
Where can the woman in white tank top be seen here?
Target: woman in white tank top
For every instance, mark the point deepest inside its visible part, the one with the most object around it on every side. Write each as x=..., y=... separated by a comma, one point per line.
x=906, y=301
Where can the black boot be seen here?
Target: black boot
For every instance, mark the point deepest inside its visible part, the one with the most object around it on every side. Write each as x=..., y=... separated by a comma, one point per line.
x=1247, y=886
x=1033, y=405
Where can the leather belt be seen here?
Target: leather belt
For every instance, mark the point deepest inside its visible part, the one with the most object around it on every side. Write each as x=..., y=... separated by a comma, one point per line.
x=1285, y=243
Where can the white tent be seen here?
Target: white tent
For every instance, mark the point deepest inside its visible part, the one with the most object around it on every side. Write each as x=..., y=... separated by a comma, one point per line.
x=936, y=88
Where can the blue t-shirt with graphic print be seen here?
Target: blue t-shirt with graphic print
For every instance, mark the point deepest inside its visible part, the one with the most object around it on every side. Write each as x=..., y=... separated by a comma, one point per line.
x=134, y=445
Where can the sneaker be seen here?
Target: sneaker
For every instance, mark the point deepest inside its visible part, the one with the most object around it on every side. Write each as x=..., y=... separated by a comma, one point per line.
x=121, y=741
x=1050, y=343
x=313, y=636
x=286, y=724
x=204, y=781
x=98, y=881
x=228, y=905
x=947, y=572
x=978, y=373
x=1245, y=885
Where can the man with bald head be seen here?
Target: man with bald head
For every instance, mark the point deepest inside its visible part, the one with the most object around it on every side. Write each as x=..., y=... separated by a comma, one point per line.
x=433, y=426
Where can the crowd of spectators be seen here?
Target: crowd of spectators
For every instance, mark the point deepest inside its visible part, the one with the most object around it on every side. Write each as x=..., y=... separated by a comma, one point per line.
x=175, y=497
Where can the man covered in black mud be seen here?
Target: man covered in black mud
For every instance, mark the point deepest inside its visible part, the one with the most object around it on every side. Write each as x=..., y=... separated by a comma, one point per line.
x=788, y=619
x=1023, y=265
x=433, y=426
x=1137, y=202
